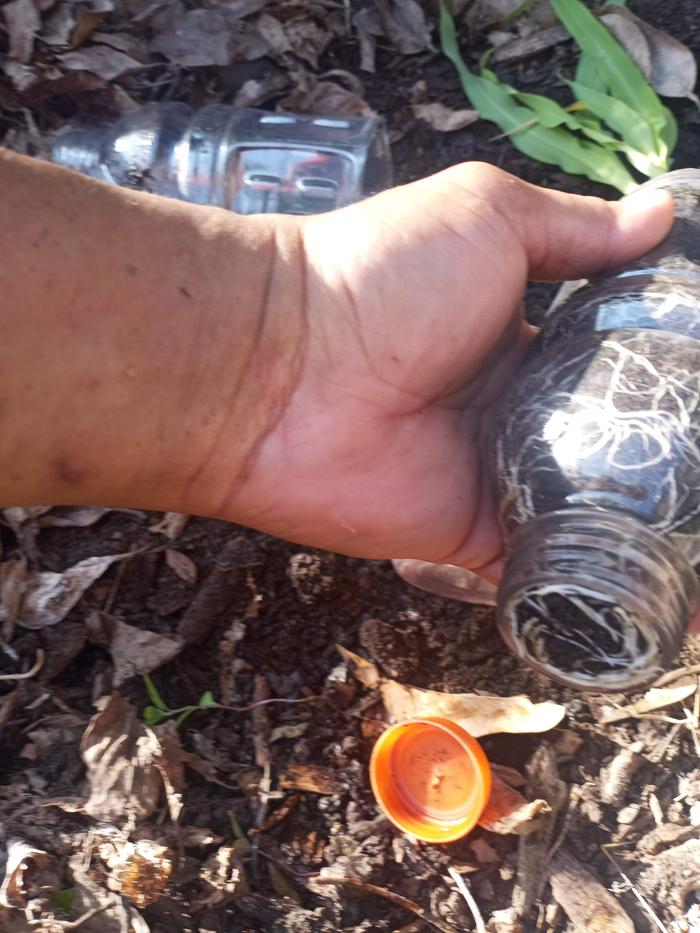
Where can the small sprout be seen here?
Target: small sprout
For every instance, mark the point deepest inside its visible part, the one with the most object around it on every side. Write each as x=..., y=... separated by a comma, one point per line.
x=63, y=900
x=207, y=700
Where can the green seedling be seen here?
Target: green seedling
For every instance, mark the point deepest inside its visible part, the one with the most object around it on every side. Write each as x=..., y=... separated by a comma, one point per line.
x=63, y=900
x=615, y=114
x=158, y=710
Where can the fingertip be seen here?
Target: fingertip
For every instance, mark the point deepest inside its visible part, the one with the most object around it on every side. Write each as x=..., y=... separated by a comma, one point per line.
x=643, y=219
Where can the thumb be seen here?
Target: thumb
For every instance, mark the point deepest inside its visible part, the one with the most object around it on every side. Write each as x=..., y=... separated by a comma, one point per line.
x=567, y=236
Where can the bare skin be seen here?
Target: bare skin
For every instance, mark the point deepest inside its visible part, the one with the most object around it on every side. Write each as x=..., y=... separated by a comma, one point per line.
x=322, y=379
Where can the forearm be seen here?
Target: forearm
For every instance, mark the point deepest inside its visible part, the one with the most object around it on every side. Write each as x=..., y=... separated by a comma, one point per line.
x=148, y=346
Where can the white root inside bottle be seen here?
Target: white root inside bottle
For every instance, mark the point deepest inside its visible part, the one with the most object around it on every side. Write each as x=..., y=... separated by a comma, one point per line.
x=596, y=450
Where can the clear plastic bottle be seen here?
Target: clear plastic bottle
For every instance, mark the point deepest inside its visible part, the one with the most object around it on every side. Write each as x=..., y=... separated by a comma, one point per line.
x=248, y=161
x=596, y=450
x=596, y=454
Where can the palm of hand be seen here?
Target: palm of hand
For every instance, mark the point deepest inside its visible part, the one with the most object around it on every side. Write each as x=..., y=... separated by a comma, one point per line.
x=414, y=328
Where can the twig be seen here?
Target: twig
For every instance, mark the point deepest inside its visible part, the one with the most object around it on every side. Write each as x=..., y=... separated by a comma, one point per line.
x=261, y=734
x=637, y=893
x=572, y=803
x=390, y=896
x=114, y=588
x=463, y=888
x=34, y=669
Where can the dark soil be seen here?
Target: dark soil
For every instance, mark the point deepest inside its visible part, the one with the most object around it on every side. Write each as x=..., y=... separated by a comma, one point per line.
x=284, y=608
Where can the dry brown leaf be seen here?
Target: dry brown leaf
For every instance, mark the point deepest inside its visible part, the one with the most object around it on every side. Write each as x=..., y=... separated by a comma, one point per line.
x=479, y=715
x=325, y=98
x=669, y=65
x=87, y=22
x=534, y=850
x=292, y=731
x=199, y=37
x=672, y=878
x=237, y=9
x=302, y=35
x=314, y=779
x=307, y=39
x=208, y=37
x=136, y=48
x=362, y=669
x=590, y=907
x=442, y=118
x=532, y=44
x=23, y=23
x=222, y=877
x=272, y=31
x=614, y=779
x=509, y=812
x=255, y=93
x=21, y=863
x=23, y=77
x=100, y=60
x=49, y=597
x=182, y=565
x=13, y=574
x=140, y=871
x=654, y=698
x=111, y=913
x=119, y=753
x=368, y=27
x=80, y=516
x=58, y=25
x=172, y=524
x=24, y=522
x=63, y=729
x=133, y=650
x=403, y=23
x=171, y=765
x=128, y=764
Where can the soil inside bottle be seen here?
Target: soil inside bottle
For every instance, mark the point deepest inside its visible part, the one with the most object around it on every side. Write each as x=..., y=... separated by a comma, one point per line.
x=578, y=634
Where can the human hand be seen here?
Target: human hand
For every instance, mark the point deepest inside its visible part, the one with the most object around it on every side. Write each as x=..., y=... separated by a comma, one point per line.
x=414, y=327
x=324, y=379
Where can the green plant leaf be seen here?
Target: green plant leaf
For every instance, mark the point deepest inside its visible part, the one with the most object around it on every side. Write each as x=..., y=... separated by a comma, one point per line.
x=63, y=899
x=594, y=130
x=587, y=74
x=669, y=132
x=645, y=151
x=556, y=146
x=207, y=700
x=153, y=694
x=548, y=112
x=152, y=715
x=615, y=66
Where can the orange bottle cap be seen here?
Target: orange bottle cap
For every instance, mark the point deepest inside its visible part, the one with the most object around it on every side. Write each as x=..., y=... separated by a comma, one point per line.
x=431, y=778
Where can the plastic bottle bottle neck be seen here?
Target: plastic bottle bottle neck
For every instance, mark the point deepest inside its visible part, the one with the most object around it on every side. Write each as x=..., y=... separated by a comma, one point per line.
x=596, y=600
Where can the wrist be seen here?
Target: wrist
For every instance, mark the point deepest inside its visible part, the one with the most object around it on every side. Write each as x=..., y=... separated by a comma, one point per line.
x=253, y=364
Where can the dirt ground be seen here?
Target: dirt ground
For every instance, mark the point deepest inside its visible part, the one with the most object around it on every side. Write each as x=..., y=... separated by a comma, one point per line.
x=246, y=820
